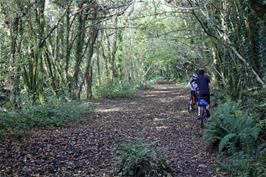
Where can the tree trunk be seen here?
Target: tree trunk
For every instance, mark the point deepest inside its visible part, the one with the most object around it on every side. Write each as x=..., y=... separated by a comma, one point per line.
x=14, y=78
x=98, y=64
x=79, y=51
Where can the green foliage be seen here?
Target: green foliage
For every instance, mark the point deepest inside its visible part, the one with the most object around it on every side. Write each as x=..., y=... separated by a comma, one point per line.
x=260, y=162
x=255, y=101
x=138, y=159
x=238, y=138
x=117, y=89
x=241, y=164
x=237, y=165
x=262, y=125
x=232, y=128
x=218, y=97
x=49, y=115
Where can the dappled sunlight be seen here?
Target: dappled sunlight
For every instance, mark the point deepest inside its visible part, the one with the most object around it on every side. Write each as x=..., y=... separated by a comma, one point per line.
x=161, y=91
x=79, y=78
x=163, y=127
x=158, y=119
x=166, y=100
x=109, y=110
x=148, y=95
x=183, y=111
x=182, y=96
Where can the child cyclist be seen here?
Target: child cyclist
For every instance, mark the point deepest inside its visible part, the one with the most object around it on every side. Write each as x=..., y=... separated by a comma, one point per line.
x=193, y=90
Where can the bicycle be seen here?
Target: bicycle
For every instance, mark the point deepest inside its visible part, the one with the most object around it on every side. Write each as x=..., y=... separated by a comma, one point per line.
x=202, y=104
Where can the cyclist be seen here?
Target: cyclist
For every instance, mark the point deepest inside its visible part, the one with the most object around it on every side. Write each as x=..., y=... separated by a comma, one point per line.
x=203, y=83
x=193, y=89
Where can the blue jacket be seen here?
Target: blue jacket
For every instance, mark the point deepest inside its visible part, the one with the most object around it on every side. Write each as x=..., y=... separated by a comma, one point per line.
x=203, y=84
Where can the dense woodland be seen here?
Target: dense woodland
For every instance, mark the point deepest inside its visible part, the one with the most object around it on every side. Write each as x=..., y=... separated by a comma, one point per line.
x=66, y=51
x=71, y=47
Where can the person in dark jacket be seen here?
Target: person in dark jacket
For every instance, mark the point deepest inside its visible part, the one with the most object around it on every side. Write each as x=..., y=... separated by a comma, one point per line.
x=203, y=83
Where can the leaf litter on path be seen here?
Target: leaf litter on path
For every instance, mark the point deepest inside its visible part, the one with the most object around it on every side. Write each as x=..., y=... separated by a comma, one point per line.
x=86, y=148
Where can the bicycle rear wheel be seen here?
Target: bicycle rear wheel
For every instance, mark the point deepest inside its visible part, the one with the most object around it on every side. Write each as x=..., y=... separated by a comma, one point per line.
x=202, y=115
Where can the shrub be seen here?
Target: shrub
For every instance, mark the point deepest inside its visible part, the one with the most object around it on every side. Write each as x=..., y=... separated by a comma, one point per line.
x=137, y=159
x=232, y=128
x=49, y=115
x=116, y=89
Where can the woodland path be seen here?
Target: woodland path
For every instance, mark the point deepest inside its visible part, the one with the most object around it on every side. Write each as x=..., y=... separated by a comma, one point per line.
x=85, y=149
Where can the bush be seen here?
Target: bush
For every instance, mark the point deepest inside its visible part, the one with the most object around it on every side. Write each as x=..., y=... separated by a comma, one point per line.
x=232, y=128
x=49, y=115
x=137, y=159
x=116, y=89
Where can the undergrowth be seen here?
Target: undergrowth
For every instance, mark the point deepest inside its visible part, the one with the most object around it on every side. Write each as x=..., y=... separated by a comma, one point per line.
x=116, y=89
x=49, y=115
x=138, y=159
x=121, y=88
x=237, y=134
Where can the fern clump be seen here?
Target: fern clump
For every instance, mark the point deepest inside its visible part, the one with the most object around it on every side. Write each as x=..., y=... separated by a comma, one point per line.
x=232, y=128
x=138, y=159
x=237, y=136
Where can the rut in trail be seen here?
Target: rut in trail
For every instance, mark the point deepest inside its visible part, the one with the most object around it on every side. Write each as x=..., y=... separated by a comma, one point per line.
x=86, y=148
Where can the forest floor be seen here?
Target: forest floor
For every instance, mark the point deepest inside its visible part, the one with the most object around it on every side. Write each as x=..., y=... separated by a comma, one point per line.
x=85, y=149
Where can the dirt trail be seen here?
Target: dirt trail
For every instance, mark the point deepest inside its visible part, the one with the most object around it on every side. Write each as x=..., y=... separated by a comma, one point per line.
x=86, y=148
